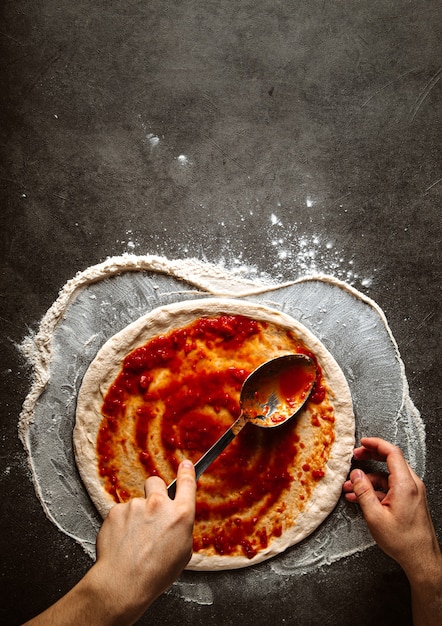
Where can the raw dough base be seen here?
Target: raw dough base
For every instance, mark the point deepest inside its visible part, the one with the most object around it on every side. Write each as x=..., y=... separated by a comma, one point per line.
x=107, y=364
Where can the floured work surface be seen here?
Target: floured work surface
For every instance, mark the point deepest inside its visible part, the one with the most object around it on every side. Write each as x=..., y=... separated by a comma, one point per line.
x=352, y=328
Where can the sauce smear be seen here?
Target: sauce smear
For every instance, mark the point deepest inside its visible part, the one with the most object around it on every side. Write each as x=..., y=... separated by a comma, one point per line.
x=175, y=396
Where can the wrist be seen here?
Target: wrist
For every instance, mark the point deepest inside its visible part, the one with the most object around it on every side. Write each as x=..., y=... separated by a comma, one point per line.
x=115, y=604
x=425, y=570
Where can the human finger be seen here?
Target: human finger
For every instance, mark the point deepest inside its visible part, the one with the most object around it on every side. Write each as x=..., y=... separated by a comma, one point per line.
x=154, y=484
x=362, y=454
x=373, y=448
x=369, y=450
x=352, y=497
x=365, y=495
x=378, y=448
x=186, y=483
x=382, y=450
x=379, y=481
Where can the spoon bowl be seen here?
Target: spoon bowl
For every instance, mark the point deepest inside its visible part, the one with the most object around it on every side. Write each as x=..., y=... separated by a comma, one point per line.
x=271, y=395
x=276, y=390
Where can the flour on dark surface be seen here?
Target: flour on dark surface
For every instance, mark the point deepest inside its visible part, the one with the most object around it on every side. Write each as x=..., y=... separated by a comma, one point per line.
x=104, y=299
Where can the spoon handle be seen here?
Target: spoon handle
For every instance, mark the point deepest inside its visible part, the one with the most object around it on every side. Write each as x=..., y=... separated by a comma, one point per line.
x=212, y=453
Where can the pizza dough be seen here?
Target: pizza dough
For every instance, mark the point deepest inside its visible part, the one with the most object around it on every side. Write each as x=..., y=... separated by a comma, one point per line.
x=298, y=521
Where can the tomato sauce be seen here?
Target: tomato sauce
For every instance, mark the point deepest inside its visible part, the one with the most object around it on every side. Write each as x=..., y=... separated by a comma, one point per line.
x=198, y=404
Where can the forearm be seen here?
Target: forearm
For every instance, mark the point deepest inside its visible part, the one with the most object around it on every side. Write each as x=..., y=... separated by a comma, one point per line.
x=426, y=592
x=89, y=603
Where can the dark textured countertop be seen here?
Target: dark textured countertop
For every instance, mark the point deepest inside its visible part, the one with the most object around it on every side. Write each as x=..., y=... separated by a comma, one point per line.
x=284, y=138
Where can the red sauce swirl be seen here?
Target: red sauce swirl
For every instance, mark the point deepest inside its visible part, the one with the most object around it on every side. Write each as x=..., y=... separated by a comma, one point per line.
x=192, y=407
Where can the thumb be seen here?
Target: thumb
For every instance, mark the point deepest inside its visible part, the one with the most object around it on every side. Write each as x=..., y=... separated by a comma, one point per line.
x=364, y=491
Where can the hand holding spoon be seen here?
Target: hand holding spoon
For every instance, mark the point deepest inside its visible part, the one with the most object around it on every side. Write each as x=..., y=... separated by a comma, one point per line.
x=272, y=394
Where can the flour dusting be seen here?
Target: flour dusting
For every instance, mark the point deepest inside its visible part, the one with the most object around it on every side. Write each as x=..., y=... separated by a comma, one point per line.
x=200, y=593
x=105, y=298
x=289, y=249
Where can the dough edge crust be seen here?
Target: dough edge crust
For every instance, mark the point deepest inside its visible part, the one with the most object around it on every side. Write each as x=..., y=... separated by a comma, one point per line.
x=106, y=365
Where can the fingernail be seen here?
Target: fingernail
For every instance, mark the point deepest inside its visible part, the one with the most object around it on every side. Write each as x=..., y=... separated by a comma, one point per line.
x=187, y=463
x=356, y=475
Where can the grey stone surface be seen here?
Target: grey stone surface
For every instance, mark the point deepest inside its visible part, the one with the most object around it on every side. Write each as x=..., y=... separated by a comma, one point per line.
x=280, y=136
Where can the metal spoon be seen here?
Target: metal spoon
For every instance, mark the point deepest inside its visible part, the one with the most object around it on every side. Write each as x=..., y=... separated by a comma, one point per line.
x=271, y=395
